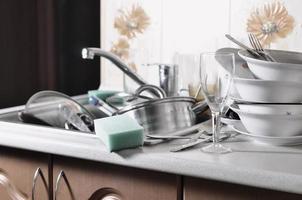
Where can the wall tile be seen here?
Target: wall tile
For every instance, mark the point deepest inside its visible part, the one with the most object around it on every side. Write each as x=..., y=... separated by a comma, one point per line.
x=187, y=26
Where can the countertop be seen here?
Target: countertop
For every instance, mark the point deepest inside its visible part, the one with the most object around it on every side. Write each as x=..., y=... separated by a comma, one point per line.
x=250, y=163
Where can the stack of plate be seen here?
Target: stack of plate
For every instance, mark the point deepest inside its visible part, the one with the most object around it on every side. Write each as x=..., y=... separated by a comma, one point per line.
x=268, y=97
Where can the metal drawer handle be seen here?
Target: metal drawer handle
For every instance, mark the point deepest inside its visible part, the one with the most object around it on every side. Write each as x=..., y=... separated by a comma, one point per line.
x=106, y=194
x=60, y=176
x=38, y=173
x=11, y=189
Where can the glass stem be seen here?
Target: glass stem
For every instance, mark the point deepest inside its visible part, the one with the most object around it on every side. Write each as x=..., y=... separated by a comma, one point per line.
x=216, y=126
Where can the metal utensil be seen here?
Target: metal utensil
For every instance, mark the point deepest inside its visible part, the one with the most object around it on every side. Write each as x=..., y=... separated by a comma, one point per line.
x=198, y=141
x=178, y=132
x=71, y=116
x=258, y=47
x=251, y=51
x=192, y=142
x=169, y=137
x=102, y=105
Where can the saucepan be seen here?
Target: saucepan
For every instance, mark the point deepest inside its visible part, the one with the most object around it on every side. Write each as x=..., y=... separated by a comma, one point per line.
x=162, y=115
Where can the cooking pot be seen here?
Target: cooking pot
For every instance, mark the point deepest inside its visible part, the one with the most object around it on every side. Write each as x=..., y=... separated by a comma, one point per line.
x=164, y=115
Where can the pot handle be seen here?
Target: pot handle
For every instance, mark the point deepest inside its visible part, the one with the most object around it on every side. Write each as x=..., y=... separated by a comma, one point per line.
x=153, y=90
x=200, y=107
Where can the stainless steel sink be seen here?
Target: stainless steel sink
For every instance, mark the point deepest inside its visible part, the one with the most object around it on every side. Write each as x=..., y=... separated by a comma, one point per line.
x=11, y=114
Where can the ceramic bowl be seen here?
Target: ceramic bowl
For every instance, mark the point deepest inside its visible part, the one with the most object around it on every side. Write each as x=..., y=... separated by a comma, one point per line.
x=287, y=68
x=270, y=120
x=266, y=91
x=272, y=109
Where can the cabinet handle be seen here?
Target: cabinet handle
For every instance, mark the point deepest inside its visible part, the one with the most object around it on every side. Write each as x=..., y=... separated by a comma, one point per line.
x=106, y=194
x=60, y=176
x=38, y=173
x=11, y=189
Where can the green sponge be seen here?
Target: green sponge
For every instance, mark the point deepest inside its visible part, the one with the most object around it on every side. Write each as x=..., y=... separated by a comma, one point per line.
x=102, y=94
x=119, y=132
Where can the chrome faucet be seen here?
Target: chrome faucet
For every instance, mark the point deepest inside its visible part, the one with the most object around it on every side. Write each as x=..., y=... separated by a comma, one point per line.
x=89, y=53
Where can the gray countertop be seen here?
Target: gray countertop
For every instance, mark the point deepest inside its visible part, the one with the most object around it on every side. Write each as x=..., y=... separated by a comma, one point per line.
x=250, y=163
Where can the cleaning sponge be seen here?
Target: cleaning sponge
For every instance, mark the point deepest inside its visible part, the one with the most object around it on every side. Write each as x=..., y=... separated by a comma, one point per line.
x=102, y=94
x=119, y=132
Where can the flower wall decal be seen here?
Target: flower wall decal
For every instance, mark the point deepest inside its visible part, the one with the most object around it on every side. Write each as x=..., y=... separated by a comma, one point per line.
x=270, y=23
x=121, y=48
x=129, y=23
x=133, y=22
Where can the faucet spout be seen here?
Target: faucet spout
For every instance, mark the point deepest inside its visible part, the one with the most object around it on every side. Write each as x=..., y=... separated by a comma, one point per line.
x=90, y=53
x=87, y=54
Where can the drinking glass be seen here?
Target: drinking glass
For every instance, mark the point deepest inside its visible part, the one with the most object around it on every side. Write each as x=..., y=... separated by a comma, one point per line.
x=189, y=79
x=216, y=78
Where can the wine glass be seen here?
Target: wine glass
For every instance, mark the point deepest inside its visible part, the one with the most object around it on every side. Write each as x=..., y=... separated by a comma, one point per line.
x=216, y=78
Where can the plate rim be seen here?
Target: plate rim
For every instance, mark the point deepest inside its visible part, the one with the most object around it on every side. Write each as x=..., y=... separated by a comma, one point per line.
x=245, y=132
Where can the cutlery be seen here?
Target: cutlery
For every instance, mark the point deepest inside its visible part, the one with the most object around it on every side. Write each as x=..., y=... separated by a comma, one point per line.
x=71, y=116
x=184, y=131
x=258, y=47
x=197, y=141
x=251, y=51
x=193, y=141
x=168, y=137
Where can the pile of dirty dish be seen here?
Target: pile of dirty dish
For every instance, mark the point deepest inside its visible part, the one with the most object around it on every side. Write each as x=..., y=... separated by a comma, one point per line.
x=121, y=120
x=267, y=96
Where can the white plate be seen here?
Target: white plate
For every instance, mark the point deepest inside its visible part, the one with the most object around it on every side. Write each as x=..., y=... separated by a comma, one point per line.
x=280, y=141
x=241, y=68
x=238, y=99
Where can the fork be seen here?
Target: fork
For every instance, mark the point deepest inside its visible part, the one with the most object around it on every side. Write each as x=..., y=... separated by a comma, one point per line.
x=258, y=47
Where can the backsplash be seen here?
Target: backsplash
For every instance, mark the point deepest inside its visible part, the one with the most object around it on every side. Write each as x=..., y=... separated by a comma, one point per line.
x=161, y=28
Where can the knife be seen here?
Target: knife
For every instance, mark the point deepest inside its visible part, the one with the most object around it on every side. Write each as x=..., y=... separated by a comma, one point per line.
x=192, y=142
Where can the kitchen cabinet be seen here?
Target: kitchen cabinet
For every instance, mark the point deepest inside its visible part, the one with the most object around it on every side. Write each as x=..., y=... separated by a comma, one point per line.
x=200, y=189
x=87, y=179
x=71, y=178
x=21, y=166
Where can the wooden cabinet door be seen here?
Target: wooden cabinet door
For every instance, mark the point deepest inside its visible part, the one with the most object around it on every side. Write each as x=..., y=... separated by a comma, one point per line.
x=21, y=166
x=200, y=189
x=87, y=179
